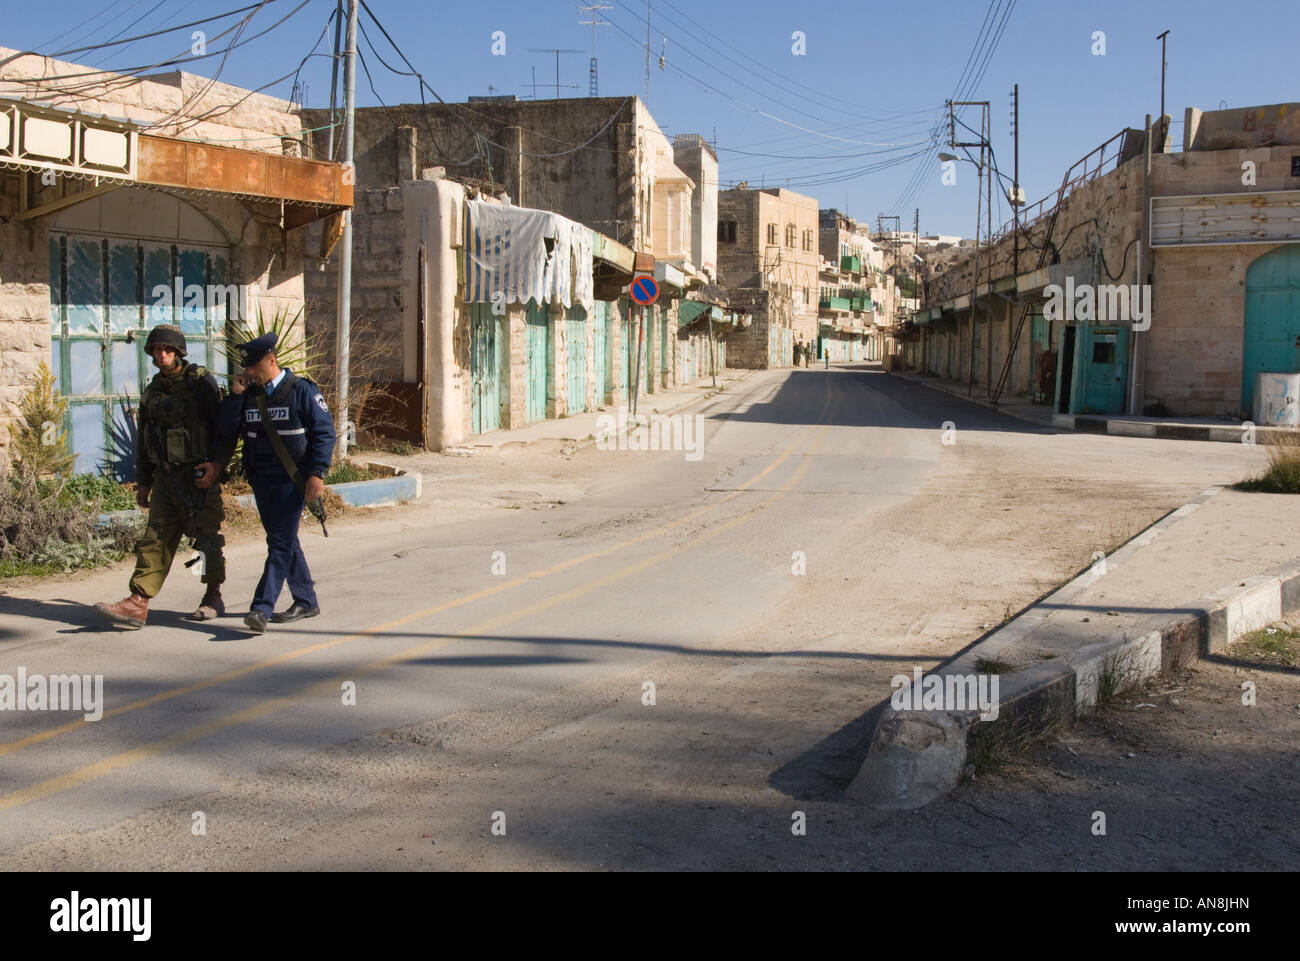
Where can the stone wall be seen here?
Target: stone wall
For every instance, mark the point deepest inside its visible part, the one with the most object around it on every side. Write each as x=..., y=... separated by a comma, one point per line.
x=526, y=131
x=378, y=294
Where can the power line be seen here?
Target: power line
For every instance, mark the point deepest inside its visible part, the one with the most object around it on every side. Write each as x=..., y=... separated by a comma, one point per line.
x=121, y=76
x=146, y=36
x=687, y=49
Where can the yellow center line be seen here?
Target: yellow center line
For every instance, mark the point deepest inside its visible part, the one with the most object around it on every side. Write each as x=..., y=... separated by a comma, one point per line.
x=90, y=772
x=231, y=675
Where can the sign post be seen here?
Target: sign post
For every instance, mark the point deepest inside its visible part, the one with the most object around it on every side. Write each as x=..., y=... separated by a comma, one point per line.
x=644, y=290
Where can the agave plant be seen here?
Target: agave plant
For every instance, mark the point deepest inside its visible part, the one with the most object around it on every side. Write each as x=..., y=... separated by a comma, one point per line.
x=294, y=349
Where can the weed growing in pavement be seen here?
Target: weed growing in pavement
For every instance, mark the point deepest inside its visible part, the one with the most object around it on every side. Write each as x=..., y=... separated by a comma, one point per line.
x=991, y=748
x=1119, y=672
x=1282, y=476
x=991, y=665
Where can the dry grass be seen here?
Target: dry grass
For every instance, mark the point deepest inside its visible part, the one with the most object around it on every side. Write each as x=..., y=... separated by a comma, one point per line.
x=1282, y=476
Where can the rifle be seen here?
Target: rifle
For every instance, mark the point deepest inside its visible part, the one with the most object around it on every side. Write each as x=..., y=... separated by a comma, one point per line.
x=317, y=506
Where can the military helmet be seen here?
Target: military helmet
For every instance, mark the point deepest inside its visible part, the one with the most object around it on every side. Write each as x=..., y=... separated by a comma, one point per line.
x=166, y=335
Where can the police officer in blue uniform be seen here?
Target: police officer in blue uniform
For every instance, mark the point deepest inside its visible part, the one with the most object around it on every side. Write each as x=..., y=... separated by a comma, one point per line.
x=302, y=420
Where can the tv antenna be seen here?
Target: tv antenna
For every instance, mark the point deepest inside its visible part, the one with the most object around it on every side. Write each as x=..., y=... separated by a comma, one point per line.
x=557, y=51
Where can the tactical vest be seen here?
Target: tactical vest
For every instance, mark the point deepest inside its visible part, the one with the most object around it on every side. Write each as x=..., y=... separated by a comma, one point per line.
x=175, y=430
x=259, y=455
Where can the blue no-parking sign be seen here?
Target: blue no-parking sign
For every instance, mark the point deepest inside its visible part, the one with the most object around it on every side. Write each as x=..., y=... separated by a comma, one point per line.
x=644, y=289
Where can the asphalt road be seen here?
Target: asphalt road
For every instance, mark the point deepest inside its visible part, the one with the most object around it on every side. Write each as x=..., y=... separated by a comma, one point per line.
x=500, y=662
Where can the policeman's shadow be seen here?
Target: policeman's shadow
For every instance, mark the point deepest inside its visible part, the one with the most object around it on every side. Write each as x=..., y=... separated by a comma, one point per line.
x=214, y=628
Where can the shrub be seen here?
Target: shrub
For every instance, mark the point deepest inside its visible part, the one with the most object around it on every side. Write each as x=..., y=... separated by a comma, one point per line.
x=345, y=472
x=40, y=445
x=28, y=520
x=96, y=488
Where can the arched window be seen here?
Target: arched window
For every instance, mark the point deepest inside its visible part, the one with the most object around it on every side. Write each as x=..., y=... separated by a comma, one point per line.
x=727, y=231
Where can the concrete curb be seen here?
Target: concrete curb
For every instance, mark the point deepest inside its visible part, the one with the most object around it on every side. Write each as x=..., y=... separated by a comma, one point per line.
x=916, y=756
x=1228, y=434
x=380, y=492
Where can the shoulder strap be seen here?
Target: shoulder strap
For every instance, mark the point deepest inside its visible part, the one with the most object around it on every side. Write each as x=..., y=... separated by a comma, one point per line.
x=281, y=395
x=277, y=443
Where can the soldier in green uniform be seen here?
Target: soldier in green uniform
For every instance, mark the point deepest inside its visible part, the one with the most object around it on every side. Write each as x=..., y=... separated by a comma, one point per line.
x=178, y=461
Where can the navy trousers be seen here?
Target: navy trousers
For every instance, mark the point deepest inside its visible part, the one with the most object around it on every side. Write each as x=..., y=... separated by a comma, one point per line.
x=280, y=506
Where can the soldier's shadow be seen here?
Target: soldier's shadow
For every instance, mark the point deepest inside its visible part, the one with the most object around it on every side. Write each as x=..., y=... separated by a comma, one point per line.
x=84, y=619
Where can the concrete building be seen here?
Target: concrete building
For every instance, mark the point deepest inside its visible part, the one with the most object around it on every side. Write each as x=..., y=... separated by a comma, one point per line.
x=1211, y=232
x=768, y=241
x=121, y=209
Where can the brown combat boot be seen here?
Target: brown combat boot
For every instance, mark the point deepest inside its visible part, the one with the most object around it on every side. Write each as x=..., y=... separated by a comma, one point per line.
x=130, y=612
x=212, y=606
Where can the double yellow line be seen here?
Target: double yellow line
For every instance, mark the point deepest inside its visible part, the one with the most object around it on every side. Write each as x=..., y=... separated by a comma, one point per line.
x=90, y=772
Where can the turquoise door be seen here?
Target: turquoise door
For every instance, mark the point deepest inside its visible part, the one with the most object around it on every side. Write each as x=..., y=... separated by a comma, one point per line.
x=485, y=369
x=103, y=299
x=538, y=332
x=1272, y=322
x=1097, y=359
x=598, y=326
x=575, y=321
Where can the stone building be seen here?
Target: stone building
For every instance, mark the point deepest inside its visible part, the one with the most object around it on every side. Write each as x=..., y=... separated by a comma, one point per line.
x=457, y=367
x=768, y=240
x=135, y=201
x=1182, y=269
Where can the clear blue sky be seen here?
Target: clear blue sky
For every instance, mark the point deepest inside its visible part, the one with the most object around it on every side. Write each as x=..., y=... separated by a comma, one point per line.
x=841, y=121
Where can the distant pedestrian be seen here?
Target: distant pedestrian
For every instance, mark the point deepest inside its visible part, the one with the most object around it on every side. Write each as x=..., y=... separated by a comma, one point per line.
x=827, y=351
x=288, y=438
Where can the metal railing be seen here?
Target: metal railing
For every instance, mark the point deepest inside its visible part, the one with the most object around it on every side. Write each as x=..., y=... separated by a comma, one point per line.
x=1080, y=173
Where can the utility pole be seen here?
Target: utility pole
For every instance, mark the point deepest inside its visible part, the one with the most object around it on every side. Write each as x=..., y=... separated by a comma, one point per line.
x=983, y=144
x=1015, y=180
x=334, y=77
x=343, y=331
x=1163, y=64
x=647, y=51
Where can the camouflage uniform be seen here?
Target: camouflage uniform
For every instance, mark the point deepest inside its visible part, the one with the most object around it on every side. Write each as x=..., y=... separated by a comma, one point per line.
x=178, y=416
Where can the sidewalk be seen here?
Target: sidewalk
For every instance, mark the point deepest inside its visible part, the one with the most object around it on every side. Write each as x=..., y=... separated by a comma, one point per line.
x=581, y=428
x=1124, y=425
x=1209, y=572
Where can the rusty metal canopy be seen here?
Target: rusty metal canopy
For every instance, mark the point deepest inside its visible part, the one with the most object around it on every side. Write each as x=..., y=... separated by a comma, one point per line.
x=109, y=152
